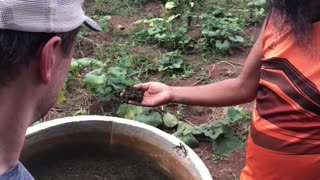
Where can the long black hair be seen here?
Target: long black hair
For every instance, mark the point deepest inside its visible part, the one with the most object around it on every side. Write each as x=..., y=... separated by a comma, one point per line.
x=298, y=14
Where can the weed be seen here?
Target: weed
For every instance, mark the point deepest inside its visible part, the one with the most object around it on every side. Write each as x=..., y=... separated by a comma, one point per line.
x=162, y=32
x=174, y=65
x=171, y=61
x=221, y=30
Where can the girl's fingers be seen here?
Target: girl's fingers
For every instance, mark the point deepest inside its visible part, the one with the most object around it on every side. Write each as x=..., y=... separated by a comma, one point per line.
x=134, y=103
x=143, y=86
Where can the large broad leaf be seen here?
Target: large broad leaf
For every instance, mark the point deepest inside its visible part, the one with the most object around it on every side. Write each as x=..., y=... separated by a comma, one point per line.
x=129, y=111
x=188, y=139
x=103, y=91
x=150, y=118
x=237, y=39
x=161, y=36
x=183, y=126
x=92, y=80
x=209, y=130
x=227, y=144
x=225, y=45
x=176, y=66
x=117, y=71
x=170, y=5
x=210, y=33
x=89, y=62
x=235, y=114
x=214, y=133
x=170, y=120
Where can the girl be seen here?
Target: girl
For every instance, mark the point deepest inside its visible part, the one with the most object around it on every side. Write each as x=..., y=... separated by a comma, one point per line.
x=282, y=73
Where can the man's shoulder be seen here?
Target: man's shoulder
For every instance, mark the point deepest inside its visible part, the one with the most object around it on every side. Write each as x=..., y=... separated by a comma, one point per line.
x=17, y=173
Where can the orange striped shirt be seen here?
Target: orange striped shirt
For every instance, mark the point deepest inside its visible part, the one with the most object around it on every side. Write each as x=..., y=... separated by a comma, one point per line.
x=287, y=111
x=284, y=140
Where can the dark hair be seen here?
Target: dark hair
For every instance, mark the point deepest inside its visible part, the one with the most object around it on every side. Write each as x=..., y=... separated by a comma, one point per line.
x=298, y=14
x=18, y=49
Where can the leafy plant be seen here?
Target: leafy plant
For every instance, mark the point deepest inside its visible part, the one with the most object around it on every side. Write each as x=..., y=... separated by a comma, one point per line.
x=105, y=23
x=184, y=133
x=106, y=82
x=222, y=134
x=149, y=117
x=171, y=61
x=161, y=31
x=256, y=11
x=109, y=82
x=173, y=64
x=170, y=120
x=129, y=111
x=224, y=138
x=143, y=115
x=221, y=30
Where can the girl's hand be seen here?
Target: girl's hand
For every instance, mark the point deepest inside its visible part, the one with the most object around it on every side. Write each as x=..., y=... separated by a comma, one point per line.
x=156, y=94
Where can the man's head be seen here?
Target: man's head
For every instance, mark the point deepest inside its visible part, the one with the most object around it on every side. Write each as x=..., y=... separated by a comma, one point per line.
x=36, y=44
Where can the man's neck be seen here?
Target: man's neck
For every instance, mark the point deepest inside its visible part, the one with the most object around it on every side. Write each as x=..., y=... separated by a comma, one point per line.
x=15, y=118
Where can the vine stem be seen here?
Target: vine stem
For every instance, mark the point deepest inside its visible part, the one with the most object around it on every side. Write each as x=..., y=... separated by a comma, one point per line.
x=210, y=74
x=186, y=121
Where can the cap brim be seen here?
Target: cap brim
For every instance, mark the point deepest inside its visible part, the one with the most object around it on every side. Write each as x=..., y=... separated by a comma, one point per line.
x=90, y=23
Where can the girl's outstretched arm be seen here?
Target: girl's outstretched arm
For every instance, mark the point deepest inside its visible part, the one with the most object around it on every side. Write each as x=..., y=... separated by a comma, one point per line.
x=229, y=92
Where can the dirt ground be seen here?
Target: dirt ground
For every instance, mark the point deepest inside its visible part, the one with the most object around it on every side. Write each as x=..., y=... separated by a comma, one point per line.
x=225, y=169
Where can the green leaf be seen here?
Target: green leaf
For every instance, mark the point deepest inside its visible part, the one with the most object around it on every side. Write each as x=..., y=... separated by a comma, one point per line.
x=152, y=119
x=176, y=65
x=234, y=114
x=171, y=18
x=227, y=144
x=129, y=111
x=161, y=36
x=170, y=120
x=62, y=97
x=106, y=18
x=92, y=80
x=225, y=45
x=89, y=62
x=210, y=33
x=212, y=130
x=116, y=71
x=183, y=126
x=237, y=39
x=188, y=139
x=170, y=5
x=197, y=131
x=214, y=133
x=74, y=67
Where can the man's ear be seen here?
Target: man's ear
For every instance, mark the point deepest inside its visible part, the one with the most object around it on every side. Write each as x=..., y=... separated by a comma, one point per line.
x=48, y=59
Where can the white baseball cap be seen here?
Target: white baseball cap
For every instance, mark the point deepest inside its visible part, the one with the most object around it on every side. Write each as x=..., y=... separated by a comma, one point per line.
x=52, y=16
